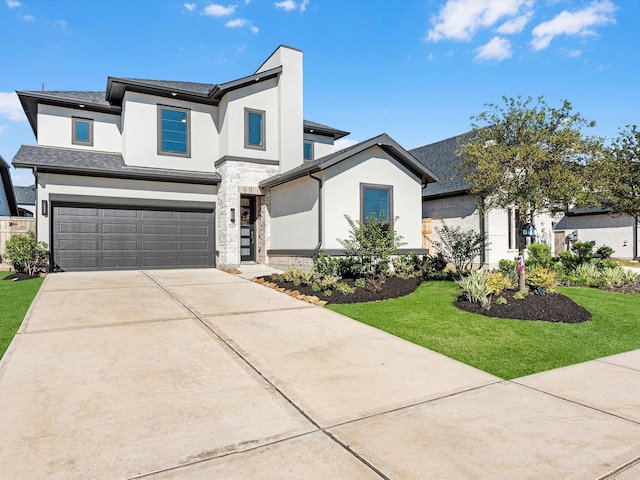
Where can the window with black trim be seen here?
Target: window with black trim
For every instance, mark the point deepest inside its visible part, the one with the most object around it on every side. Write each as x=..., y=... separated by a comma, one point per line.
x=82, y=131
x=376, y=200
x=308, y=150
x=254, y=121
x=174, y=131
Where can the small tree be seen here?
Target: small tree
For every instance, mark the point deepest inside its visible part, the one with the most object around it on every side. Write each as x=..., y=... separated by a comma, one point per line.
x=25, y=253
x=371, y=244
x=459, y=246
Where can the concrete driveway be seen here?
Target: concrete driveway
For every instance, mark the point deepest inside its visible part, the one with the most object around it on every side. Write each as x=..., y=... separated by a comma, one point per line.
x=201, y=374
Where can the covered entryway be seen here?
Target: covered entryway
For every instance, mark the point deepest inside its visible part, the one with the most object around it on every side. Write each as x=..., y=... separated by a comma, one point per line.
x=93, y=237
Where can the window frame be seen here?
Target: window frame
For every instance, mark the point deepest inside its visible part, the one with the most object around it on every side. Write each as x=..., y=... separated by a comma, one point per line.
x=373, y=186
x=263, y=136
x=187, y=112
x=74, y=131
x=310, y=143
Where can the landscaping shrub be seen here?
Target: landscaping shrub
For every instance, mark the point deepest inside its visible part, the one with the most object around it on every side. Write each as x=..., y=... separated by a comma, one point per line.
x=497, y=282
x=459, y=247
x=583, y=252
x=588, y=274
x=344, y=289
x=436, y=263
x=371, y=244
x=407, y=266
x=326, y=265
x=539, y=255
x=605, y=252
x=474, y=287
x=542, y=277
x=509, y=269
x=567, y=259
x=26, y=254
x=360, y=283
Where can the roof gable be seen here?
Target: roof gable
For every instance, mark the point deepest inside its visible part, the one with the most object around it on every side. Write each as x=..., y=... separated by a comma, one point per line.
x=5, y=180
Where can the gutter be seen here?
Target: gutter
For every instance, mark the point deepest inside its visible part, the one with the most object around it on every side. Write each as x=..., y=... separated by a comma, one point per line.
x=317, y=249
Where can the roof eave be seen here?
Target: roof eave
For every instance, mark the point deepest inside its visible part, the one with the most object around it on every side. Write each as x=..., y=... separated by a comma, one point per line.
x=227, y=87
x=116, y=88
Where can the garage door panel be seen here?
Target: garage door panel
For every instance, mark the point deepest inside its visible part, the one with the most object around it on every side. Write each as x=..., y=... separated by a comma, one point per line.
x=110, y=238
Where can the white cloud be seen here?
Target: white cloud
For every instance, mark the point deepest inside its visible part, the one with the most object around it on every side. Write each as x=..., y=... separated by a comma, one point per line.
x=242, y=22
x=497, y=49
x=574, y=53
x=287, y=5
x=343, y=143
x=515, y=25
x=573, y=23
x=13, y=3
x=10, y=107
x=216, y=10
x=28, y=18
x=303, y=5
x=61, y=24
x=190, y=6
x=461, y=19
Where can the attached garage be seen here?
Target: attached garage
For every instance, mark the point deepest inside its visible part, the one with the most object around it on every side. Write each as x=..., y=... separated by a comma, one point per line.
x=97, y=237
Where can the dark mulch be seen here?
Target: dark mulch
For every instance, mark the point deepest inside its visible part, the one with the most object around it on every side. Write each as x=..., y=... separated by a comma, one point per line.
x=393, y=287
x=551, y=307
x=16, y=277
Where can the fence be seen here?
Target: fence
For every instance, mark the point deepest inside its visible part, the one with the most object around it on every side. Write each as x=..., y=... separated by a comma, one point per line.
x=13, y=226
x=426, y=233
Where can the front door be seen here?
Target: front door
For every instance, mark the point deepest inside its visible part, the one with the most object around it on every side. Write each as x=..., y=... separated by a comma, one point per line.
x=247, y=229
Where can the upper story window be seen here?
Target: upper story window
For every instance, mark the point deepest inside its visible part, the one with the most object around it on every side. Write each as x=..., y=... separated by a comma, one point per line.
x=376, y=200
x=82, y=131
x=174, y=131
x=254, y=121
x=308, y=150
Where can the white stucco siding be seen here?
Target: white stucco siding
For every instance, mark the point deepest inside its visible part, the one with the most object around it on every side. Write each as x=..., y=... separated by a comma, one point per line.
x=341, y=195
x=140, y=134
x=104, y=190
x=294, y=215
x=322, y=146
x=55, y=128
x=261, y=96
x=604, y=229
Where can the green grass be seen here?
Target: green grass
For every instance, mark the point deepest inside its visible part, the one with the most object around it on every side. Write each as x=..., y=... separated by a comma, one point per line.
x=505, y=348
x=15, y=298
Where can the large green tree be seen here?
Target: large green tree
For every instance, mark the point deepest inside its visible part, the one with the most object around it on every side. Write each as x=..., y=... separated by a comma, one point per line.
x=526, y=154
x=619, y=172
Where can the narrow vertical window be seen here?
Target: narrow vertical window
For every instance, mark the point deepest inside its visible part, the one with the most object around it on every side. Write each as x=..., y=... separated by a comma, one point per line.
x=308, y=150
x=254, y=121
x=82, y=131
x=173, y=131
x=510, y=225
x=376, y=200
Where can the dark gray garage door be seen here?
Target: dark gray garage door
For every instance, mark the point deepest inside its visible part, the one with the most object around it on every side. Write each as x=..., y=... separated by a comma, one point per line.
x=115, y=238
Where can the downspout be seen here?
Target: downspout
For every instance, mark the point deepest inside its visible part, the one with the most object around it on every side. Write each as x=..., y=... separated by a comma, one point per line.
x=317, y=249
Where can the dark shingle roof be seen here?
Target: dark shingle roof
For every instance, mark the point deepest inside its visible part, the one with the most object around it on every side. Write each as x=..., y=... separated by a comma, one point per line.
x=383, y=141
x=441, y=158
x=25, y=195
x=95, y=98
x=191, y=87
x=5, y=179
x=92, y=163
x=313, y=127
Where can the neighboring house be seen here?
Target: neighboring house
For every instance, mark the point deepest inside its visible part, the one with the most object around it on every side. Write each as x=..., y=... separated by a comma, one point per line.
x=166, y=174
x=8, y=206
x=26, y=200
x=449, y=201
x=619, y=232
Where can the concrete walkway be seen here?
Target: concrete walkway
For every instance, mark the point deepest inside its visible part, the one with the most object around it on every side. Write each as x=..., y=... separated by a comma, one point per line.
x=200, y=374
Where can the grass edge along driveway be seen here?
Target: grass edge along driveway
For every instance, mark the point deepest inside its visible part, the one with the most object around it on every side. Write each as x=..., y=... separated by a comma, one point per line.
x=505, y=348
x=15, y=299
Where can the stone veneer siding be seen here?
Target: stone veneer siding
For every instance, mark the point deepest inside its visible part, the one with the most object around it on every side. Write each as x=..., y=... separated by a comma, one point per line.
x=238, y=177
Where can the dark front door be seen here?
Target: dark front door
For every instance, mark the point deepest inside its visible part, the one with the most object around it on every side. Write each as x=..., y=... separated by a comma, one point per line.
x=247, y=229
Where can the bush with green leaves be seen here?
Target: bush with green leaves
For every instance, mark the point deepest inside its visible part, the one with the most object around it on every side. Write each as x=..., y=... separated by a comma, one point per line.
x=539, y=255
x=605, y=252
x=26, y=253
x=459, y=247
x=371, y=244
x=407, y=266
x=474, y=287
x=360, y=283
x=583, y=251
x=541, y=277
x=509, y=269
x=588, y=275
x=497, y=282
x=344, y=289
x=326, y=265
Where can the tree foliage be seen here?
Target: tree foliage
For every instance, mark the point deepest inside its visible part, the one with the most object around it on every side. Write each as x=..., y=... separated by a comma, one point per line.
x=459, y=246
x=25, y=253
x=619, y=171
x=528, y=154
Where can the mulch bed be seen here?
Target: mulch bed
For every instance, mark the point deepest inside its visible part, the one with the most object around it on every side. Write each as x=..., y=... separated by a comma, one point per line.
x=16, y=277
x=393, y=287
x=551, y=307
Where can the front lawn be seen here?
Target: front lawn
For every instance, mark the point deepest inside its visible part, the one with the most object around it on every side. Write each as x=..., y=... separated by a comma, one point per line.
x=505, y=348
x=15, y=298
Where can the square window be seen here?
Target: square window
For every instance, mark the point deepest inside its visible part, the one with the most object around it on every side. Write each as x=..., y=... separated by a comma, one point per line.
x=376, y=200
x=173, y=131
x=308, y=150
x=254, y=129
x=82, y=133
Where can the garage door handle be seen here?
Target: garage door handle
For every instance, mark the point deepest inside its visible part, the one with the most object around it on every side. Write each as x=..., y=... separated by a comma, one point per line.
x=251, y=237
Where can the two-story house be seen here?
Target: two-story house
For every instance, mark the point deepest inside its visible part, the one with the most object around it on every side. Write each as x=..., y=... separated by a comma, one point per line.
x=172, y=174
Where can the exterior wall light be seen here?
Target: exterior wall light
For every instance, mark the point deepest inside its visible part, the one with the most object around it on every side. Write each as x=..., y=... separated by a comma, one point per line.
x=233, y=215
x=45, y=208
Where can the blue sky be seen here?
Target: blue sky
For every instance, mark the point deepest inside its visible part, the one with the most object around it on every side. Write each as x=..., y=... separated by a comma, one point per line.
x=417, y=70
